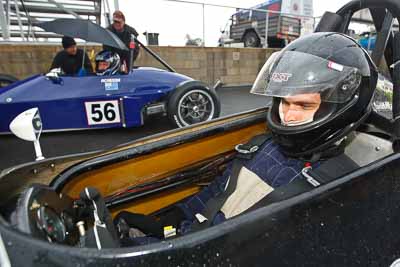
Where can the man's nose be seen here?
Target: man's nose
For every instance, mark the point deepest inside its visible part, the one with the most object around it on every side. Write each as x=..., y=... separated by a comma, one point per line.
x=292, y=115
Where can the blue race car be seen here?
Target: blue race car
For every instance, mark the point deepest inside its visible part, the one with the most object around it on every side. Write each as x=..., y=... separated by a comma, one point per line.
x=70, y=103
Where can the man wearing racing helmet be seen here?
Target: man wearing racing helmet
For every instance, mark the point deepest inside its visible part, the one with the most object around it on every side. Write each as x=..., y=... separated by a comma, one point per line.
x=321, y=87
x=300, y=109
x=107, y=63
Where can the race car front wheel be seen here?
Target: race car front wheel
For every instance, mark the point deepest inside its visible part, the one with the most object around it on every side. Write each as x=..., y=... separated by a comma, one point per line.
x=193, y=105
x=6, y=80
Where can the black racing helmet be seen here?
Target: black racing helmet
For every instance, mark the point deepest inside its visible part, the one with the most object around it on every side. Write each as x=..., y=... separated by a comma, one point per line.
x=332, y=65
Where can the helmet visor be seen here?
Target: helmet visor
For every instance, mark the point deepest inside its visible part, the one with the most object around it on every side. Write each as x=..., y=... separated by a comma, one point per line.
x=294, y=73
x=261, y=83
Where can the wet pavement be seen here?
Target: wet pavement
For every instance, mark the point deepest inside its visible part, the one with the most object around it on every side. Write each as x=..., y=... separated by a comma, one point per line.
x=14, y=151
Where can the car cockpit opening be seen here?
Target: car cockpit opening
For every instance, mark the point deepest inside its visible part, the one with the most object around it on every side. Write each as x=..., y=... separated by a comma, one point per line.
x=149, y=212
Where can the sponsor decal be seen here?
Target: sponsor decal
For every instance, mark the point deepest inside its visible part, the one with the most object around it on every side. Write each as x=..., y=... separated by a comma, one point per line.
x=102, y=112
x=111, y=84
x=281, y=77
x=383, y=106
x=335, y=66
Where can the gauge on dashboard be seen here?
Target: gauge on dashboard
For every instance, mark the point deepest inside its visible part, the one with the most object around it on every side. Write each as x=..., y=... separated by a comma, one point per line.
x=51, y=224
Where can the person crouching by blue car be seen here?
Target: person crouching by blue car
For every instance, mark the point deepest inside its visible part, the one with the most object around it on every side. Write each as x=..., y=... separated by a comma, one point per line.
x=71, y=58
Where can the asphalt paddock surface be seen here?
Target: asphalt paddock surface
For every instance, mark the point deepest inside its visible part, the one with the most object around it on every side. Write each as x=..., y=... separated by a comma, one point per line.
x=15, y=151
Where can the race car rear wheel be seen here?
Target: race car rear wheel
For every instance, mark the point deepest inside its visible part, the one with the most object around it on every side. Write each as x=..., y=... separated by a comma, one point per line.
x=6, y=80
x=193, y=105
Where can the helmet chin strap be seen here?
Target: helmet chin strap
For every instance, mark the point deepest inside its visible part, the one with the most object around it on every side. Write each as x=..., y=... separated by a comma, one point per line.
x=291, y=123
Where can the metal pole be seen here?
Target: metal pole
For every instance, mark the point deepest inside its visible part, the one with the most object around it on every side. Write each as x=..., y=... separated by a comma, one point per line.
x=38, y=150
x=107, y=13
x=3, y=23
x=116, y=5
x=314, y=23
x=157, y=57
x=266, y=29
x=204, y=26
x=8, y=12
x=19, y=20
x=66, y=10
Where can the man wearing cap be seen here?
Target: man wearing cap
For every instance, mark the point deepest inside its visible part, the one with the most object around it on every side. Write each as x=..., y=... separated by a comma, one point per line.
x=124, y=32
x=70, y=59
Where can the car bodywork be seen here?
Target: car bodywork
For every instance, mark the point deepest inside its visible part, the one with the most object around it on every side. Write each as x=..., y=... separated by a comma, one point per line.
x=350, y=221
x=329, y=222
x=76, y=103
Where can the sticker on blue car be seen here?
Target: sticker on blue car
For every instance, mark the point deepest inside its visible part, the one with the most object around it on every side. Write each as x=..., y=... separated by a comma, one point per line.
x=111, y=84
x=102, y=112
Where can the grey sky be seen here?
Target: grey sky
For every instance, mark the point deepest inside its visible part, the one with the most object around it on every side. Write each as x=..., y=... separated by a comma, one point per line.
x=174, y=20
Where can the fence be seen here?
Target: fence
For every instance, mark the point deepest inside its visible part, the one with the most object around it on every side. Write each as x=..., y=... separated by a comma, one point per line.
x=308, y=22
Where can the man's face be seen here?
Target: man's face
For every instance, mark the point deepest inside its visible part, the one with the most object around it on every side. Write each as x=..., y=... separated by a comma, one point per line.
x=118, y=25
x=103, y=65
x=71, y=50
x=299, y=109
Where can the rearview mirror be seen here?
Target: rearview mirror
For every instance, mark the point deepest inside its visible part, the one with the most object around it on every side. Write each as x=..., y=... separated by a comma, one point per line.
x=54, y=75
x=28, y=126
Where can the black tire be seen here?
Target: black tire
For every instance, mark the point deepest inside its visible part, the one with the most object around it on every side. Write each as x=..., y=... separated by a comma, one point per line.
x=185, y=106
x=6, y=80
x=251, y=39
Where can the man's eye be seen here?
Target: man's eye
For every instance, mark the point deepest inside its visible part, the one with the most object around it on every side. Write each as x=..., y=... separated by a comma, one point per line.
x=308, y=107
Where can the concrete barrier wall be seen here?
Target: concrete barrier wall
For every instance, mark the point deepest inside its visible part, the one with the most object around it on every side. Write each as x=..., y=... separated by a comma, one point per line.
x=233, y=66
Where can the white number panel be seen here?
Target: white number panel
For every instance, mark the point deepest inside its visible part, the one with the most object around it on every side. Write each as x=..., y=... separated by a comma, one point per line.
x=102, y=112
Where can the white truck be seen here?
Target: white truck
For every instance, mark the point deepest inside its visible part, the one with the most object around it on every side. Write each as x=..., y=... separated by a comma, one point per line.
x=248, y=26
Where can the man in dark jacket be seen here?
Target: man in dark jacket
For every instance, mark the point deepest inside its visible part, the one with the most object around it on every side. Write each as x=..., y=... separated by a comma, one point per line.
x=70, y=59
x=124, y=32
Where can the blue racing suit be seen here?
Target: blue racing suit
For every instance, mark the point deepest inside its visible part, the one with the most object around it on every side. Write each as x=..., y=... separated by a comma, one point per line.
x=269, y=163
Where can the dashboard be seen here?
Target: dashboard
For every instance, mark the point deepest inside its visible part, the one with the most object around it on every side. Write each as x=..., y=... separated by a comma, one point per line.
x=44, y=214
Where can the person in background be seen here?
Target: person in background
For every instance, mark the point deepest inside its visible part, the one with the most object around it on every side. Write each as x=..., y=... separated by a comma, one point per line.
x=124, y=32
x=70, y=59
